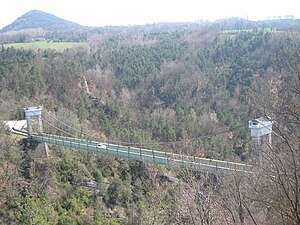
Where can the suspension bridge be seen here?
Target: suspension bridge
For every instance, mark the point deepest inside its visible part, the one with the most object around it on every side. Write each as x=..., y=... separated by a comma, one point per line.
x=34, y=120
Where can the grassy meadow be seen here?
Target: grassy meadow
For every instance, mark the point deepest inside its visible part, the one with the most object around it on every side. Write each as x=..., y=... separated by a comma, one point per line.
x=265, y=30
x=59, y=46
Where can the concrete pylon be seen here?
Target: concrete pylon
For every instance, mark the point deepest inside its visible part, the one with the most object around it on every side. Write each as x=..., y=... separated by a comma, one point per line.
x=33, y=116
x=260, y=127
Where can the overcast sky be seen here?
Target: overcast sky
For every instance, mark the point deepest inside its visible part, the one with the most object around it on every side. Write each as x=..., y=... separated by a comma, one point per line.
x=131, y=12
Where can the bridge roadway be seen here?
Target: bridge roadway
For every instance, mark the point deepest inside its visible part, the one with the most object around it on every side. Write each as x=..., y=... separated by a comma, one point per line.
x=146, y=155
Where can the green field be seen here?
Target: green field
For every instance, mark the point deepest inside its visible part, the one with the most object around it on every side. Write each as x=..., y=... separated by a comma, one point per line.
x=59, y=46
x=271, y=30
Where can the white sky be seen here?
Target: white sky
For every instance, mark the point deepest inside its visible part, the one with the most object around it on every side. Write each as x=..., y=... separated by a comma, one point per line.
x=131, y=12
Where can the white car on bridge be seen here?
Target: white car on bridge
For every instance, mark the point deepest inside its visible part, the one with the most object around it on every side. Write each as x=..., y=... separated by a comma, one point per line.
x=102, y=145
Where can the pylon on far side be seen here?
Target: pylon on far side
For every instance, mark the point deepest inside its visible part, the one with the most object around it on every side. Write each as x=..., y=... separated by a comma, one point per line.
x=260, y=127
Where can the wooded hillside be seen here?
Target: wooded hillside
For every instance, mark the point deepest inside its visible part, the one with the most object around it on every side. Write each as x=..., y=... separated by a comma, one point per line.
x=184, y=89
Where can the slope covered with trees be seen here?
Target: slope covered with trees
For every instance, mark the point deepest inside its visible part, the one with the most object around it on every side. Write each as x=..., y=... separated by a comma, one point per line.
x=184, y=89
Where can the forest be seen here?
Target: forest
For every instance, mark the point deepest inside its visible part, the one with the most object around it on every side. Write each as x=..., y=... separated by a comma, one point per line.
x=188, y=89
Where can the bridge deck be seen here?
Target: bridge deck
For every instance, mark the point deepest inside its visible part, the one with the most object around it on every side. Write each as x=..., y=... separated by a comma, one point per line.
x=146, y=155
x=142, y=154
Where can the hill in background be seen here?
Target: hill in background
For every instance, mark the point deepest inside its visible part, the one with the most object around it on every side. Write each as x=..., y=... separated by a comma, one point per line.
x=38, y=19
x=40, y=26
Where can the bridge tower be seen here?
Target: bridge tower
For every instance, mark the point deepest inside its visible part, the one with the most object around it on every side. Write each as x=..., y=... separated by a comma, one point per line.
x=33, y=116
x=260, y=127
x=30, y=114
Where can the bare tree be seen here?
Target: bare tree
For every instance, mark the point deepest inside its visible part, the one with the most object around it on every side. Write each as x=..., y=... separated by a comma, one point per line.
x=276, y=184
